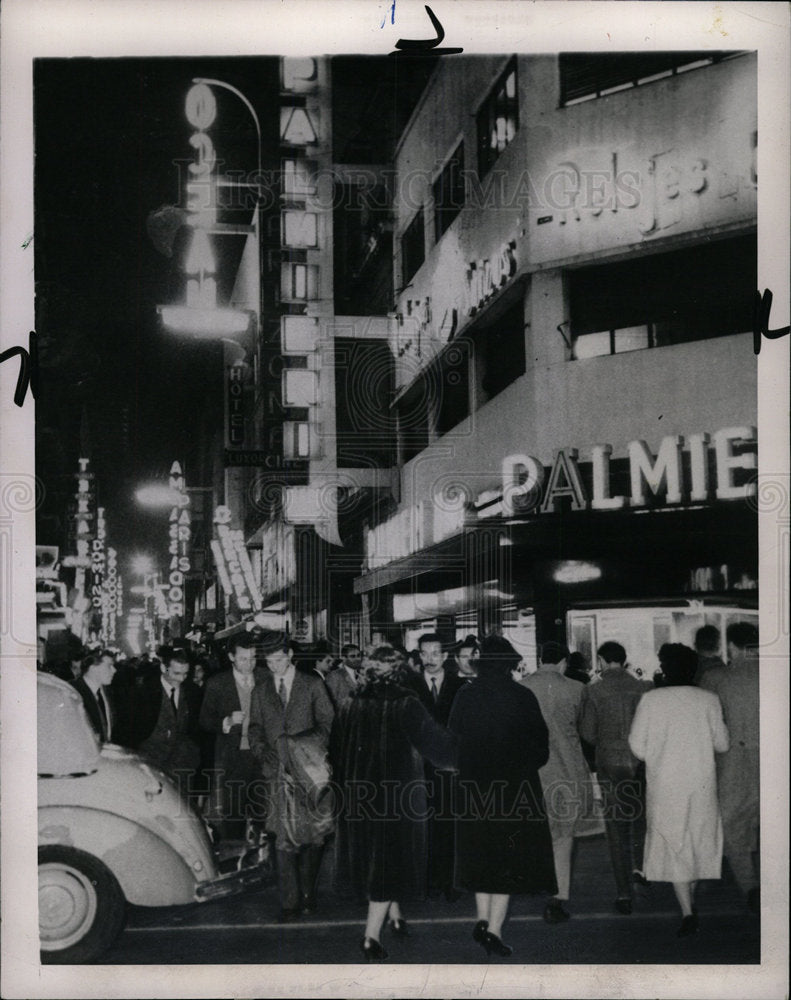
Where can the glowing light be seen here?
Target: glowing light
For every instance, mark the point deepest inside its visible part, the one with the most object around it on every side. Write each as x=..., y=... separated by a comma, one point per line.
x=142, y=565
x=577, y=572
x=160, y=495
x=204, y=322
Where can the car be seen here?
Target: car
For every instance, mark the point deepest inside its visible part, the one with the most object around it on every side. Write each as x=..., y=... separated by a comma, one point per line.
x=113, y=830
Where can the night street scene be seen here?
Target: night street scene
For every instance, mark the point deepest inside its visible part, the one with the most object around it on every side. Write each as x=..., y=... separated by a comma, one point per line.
x=397, y=557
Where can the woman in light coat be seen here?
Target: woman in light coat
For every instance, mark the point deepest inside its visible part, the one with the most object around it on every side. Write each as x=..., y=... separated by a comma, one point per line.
x=677, y=729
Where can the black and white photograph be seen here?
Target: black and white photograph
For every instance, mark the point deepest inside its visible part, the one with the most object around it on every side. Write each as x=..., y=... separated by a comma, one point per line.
x=394, y=499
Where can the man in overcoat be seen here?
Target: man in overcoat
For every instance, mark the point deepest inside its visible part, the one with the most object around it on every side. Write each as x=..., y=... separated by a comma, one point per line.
x=436, y=688
x=226, y=713
x=289, y=703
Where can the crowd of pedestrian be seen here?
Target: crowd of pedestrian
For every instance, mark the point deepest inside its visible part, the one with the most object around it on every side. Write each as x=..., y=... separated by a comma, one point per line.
x=445, y=771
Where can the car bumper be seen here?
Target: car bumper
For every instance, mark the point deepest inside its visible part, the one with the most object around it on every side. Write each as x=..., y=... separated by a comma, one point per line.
x=255, y=877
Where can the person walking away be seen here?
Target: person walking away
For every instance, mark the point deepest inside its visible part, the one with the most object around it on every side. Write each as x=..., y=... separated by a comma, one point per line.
x=290, y=705
x=738, y=768
x=676, y=730
x=565, y=778
x=503, y=843
x=380, y=847
x=707, y=646
x=436, y=688
x=608, y=709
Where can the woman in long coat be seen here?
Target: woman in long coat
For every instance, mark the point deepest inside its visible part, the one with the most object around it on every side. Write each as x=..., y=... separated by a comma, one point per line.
x=676, y=730
x=503, y=845
x=381, y=737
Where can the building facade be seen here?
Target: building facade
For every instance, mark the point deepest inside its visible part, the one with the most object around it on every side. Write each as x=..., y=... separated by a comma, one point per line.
x=575, y=266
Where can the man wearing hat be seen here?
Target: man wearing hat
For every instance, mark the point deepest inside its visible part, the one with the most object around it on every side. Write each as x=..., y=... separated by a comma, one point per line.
x=565, y=778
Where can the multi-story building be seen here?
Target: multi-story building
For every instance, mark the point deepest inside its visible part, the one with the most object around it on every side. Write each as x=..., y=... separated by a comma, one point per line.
x=575, y=266
x=551, y=429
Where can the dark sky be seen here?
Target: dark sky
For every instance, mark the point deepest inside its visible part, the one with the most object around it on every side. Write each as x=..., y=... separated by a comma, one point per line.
x=108, y=134
x=112, y=144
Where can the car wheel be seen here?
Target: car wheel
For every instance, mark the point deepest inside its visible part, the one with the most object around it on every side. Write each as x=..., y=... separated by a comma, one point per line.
x=81, y=907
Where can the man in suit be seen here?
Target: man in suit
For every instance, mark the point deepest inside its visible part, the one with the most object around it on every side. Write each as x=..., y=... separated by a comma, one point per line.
x=436, y=688
x=289, y=703
x=226, y=713
x=466, y=656
x=346, y=678
x=162, y=724
x=98, y=670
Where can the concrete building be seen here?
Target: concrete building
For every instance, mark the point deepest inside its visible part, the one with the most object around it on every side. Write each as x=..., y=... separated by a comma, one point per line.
x=575, y=266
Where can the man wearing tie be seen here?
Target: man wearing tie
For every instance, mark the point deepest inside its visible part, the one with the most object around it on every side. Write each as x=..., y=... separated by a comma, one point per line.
x=289, y=703
x=346, y=679
x=225, y=711
x=163, y=718
x=98, y=670
x=437, y=688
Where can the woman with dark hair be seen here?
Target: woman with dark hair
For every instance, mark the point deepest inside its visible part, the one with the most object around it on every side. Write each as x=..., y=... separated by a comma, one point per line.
x=378, y=745
x=503, y=844
x=677, y=729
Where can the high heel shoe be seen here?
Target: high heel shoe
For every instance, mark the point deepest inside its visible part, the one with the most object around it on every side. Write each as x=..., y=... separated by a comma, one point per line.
x=399, y=927
x=372, y=950
x=479, y=931
x=494, y=945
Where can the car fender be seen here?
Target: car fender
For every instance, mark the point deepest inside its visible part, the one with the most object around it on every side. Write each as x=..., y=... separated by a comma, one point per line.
x=149, y=871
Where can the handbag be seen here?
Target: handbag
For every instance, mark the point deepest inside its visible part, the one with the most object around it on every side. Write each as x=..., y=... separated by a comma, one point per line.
x=309, y=763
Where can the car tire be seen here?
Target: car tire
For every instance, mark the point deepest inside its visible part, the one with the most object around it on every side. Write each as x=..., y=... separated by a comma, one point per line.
x=82, y=908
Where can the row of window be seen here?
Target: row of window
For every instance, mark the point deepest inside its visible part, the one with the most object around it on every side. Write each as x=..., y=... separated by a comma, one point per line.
x=583, y=77
x=659, y=300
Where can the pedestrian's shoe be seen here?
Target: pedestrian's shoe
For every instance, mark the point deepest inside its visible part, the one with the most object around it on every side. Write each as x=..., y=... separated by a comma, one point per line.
x=494, y=946
x=372, y=950
x=287, y=916
x=554, y=912
x=479, y=931
x=399, y=927
x=638, y=878
x=309, y=903
x=623, y=906
x=689, y=925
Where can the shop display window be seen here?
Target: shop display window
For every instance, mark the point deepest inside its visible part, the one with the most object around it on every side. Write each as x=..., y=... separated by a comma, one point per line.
x=585, y=76
x=448, y=191
x=498, y=120
x=663, y=299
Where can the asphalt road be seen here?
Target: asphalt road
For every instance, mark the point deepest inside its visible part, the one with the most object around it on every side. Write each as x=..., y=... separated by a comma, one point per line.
x=243, y=930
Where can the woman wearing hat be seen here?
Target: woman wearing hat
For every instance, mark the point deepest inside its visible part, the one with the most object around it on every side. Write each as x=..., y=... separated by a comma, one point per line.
x=503, y=844
x=383, y=734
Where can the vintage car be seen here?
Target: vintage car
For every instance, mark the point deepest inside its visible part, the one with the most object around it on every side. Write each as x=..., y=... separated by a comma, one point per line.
x=112, y=830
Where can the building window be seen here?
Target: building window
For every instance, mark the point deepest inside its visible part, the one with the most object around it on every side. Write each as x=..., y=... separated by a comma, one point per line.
x=299, y=387
x=449, y=192
x=499, y=350
x=672, y=298
x=585, y=75
x=413, y=418
x=498, y=120
x=413, y=246
x=453, y=389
